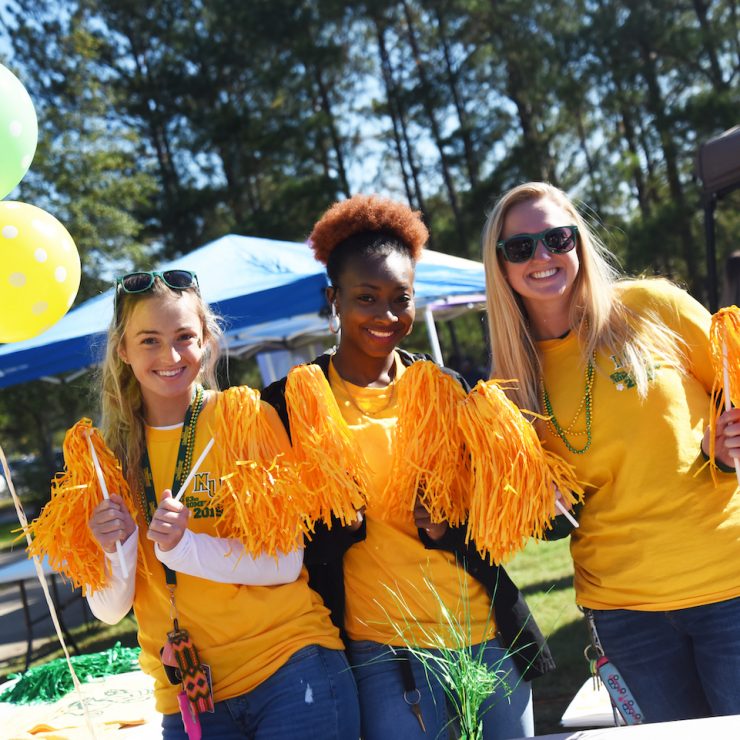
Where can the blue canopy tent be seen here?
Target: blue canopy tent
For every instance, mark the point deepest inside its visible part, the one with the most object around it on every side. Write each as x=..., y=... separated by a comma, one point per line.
x=267, y=292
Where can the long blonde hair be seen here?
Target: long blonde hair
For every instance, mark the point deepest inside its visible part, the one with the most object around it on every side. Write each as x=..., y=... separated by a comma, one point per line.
x=121, y=401
x=597, y=315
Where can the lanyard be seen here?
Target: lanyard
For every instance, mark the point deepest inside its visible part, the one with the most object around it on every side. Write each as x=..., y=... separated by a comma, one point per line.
x=182, y=466
x=621, y=697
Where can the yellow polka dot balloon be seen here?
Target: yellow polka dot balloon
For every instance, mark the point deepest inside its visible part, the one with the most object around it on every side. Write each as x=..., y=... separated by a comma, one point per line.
x=39, y=271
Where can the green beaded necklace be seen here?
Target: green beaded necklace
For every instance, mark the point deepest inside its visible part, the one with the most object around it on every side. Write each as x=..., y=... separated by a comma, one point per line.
x=184, y=462
x=586, y=403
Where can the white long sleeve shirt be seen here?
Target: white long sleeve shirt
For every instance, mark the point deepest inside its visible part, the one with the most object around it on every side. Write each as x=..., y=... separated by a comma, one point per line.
x=200, y=555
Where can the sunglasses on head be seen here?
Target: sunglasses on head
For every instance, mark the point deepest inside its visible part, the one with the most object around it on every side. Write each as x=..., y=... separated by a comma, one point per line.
x=521, y=247
x=141, y=282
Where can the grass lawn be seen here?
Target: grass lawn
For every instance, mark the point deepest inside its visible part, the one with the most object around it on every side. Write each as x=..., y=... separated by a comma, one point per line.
x=8, y=536
x=544, y=573
x=93, y=638
x=8, y=522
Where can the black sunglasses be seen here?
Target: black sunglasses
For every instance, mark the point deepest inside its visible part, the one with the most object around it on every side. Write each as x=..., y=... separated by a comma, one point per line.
x=141, y=282
x=521, y=247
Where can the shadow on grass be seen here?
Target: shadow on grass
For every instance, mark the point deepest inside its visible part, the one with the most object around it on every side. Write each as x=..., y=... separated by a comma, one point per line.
x=547, y=586
x=90, y=638
x=554, y=691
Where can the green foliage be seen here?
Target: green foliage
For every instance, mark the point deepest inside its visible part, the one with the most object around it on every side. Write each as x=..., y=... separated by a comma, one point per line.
x=171, y=123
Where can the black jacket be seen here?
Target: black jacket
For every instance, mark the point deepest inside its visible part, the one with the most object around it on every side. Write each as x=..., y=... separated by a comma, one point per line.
x=324, y=553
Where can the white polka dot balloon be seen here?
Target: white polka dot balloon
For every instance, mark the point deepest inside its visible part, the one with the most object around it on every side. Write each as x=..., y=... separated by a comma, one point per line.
x=18, y=131
x=39, y=271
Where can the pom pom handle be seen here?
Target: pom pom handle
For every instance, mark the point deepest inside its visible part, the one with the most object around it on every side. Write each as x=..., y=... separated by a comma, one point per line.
x=194, y=469
x=106, y=496
x=566, y=514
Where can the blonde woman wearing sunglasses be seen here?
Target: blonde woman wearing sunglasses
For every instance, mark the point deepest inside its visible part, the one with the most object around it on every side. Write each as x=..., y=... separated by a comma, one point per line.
x=621, y=369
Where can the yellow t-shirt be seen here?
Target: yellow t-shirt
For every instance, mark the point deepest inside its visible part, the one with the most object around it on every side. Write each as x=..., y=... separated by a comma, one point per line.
x=244, y=633
x=386, y=575
x=655, y=532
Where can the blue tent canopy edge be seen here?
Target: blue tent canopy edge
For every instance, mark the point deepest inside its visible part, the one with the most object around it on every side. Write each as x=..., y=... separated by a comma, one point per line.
x=249, y=281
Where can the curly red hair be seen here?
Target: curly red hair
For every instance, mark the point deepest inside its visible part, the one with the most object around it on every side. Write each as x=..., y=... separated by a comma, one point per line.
x=362, y=213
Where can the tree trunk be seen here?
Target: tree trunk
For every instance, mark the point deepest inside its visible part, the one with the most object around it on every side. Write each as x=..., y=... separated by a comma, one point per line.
x=333, y=131
x=436, y=135
x=589, y=161
x=323, y=151
x=179, y=231
x=391, y=98
x=701, y=8
x=470, y=158
x=657, y=108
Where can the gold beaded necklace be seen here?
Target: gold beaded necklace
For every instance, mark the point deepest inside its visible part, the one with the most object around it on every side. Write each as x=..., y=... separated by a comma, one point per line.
x=356, y=405
x=586, y=404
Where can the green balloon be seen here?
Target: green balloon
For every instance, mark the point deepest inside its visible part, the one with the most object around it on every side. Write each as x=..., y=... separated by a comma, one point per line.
x=18, y=131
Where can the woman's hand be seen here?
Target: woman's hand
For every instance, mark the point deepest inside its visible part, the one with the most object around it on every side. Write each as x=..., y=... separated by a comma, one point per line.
x=169, y=522
x=358, y=522
x=435, y=530
x=561, y=500
x=111, y=522
x=727, y=438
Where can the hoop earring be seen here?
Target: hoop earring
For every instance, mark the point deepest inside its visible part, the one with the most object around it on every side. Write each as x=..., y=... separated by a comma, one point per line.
x=335, y=323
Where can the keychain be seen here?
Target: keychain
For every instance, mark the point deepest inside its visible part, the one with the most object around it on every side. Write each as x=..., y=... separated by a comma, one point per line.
x=602, y=669
x=411, y=695
x=195, y=676
x=182, y=665
x=620, y=695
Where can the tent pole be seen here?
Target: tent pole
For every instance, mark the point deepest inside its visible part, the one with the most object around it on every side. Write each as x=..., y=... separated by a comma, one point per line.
x=710, y=204
x=270, y=367
x=432, y=334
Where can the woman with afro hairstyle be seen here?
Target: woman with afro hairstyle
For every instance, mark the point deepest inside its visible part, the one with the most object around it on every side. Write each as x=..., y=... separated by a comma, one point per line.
x=375, y=574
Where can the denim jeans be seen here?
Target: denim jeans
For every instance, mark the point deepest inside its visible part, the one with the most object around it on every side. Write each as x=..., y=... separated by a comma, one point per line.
x=678, y=664
x=312, y=696
x=386, y=714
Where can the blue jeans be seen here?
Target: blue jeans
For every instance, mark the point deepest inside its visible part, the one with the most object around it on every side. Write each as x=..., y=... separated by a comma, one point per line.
x=679, y=664
x=312, y=696
x=386, y=713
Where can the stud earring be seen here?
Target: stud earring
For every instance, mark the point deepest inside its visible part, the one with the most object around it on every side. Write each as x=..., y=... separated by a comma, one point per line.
x=335, y=323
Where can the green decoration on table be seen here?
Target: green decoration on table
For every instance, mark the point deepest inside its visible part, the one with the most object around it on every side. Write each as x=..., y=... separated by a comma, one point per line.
x=51, y=681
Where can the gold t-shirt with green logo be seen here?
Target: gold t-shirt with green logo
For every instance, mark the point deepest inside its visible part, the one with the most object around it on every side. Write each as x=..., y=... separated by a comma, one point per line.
x=655, y=532
x=244, y=633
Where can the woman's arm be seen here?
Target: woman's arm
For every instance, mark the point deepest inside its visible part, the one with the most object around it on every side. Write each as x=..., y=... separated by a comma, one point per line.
x=112, y=603
x=226, y=561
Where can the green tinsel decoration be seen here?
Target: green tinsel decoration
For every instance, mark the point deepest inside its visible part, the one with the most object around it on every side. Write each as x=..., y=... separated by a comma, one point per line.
x=51, y=681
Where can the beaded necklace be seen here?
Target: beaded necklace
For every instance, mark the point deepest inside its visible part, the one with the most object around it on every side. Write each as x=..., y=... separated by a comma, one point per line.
x=586, y=403
x=352, y=400
x=147, y=493
x=179, y=651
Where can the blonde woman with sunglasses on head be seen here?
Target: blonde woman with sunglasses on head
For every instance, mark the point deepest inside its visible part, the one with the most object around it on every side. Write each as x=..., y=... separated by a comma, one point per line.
x=621, y=369
x=265, y=643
